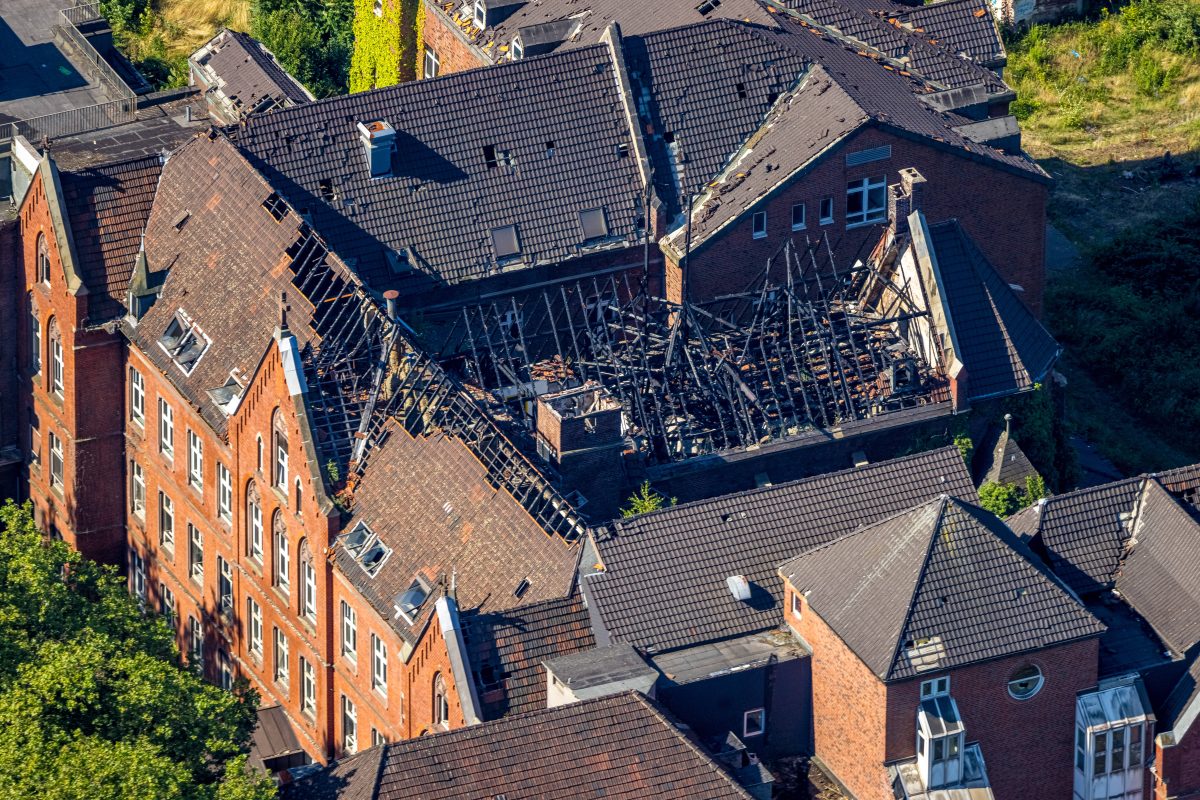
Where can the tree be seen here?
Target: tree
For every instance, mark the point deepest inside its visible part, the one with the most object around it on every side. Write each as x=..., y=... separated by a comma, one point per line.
x=93, y=701
x=643, y=501
x=311, y=38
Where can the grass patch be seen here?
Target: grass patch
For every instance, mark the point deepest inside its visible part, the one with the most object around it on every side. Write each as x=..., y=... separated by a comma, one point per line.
x=159, y=35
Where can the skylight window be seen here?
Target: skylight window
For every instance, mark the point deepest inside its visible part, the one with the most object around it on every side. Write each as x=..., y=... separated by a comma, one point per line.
x=505, y=242
x=708, y=6
x=410, y=602
x=594, y=224
x=184, y=342
x=365, y=547
x=275, y=206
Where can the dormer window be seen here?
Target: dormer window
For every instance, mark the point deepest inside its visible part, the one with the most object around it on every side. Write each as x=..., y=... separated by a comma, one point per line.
x=940, y=734
x=506, y=243
x=518, y=49
x=184, y=342
x=479, y=16
x=594, y=224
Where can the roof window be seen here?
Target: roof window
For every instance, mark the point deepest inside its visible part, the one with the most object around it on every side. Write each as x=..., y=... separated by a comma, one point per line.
x=275, y=206
x=623, y=150
x=184, y=342
x=365, y=547
x=708, y=6
x=594, y=223
x=411, y=600
x=741, y=90
x=505, y=242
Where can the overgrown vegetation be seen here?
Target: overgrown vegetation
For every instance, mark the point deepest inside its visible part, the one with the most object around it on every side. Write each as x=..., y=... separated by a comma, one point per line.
x=645, y=500
x=384, y=45
x=1006, y=499
x=313, y=39
x=1114, y=82
x=93, y=701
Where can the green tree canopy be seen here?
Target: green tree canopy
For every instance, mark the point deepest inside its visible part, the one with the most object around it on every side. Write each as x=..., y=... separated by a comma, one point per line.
x=93, y=702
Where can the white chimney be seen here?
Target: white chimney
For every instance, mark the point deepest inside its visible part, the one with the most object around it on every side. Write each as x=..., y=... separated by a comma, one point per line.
x=378, y=140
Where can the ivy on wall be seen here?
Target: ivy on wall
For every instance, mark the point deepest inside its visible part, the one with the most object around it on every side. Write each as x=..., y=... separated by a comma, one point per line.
x=384, y=43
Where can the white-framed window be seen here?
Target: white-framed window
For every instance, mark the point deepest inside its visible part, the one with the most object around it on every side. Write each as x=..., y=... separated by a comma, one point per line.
x=479, y=15
x=166, y=523
x=137, y=490
x=43, y=259
x=137, y=575
x=166, y=429
x=517, y=52
x=35, y=342
x=754, y=723
x=349, y=726
x=196, y=554
x=377, y=738
x=1025, y=682
x=224, y=586
x=137, y=397
x=224, y=493
x=166, y=604
x=441, y=701
x=349, y=632
x=379, y=8
x=56, y=359
x=433, y=63
x=758, y=225
x=308, y=687
x=254, y=636
x=281, y=657
x=797, y=605
x=798, y=217
x=379, y=665
x=254, y=525
x=226, y=672
x=308, y=585
x=56, y=462
x=935, y=687
x=35, y=440
x=196, y=641
x=826, y=210
x=280, y=446
x=195, y=461
x=866, y=201
x=283, y=556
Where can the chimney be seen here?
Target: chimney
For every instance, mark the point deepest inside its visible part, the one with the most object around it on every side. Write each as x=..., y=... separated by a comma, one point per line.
x=580, y=432
x=378, y=140
x=391, y=296
x=904, y=198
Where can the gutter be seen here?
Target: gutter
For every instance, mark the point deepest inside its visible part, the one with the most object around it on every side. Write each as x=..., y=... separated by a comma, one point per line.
x=447, y=614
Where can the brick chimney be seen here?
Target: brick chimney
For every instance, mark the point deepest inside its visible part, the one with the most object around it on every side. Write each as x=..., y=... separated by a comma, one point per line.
x=904, y=198
x=579, y=431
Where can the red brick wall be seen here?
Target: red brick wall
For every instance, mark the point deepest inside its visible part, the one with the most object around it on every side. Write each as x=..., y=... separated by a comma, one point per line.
x=429, y=660
x=1178, y=768
x=1004, y=727
x=849, y=708
x=1003, y=212
x=454, y=54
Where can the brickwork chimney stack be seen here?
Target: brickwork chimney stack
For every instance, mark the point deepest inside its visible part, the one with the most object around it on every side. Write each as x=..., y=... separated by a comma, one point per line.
x=579, y=431
x=904, y=198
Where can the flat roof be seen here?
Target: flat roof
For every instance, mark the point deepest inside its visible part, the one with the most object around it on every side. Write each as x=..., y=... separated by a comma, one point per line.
x=732, y=655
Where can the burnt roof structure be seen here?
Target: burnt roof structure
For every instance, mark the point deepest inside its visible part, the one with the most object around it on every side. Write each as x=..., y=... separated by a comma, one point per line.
x=661, y=578
x=941, y=585
x=964, y=27
x=244, y=74
x=574, y=751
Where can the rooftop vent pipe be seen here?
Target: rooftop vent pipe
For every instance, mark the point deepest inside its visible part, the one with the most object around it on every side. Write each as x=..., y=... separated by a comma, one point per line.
x=378, y=140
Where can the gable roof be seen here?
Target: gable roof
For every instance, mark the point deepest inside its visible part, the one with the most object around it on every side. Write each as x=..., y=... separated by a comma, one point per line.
x=429, y=500
x=109, y=206
x=1004, y=347
x=475, y=151
x=621, y=746
x=248, y=72
x=942, y=585
x=964, y=27
x=506, y=649
x=663, y=579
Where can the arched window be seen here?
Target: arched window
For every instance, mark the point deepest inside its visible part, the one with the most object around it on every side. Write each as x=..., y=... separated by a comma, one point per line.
x=308, y=583
x=43, y=259
x=260, y=452
x=299, y=495
x=283, y=556
x=56, y=357
x=441, y=703
x=279, y=451
x=254, y=523
x=35, y=342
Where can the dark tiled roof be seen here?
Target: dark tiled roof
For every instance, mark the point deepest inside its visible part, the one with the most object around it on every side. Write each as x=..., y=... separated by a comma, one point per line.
x=274, y=738
x=622, y=746
x=429, y=500
x=226, y=255
x=560, y=119
x=1004, y=348
x=1179, y=710
x=1009, y=464
x=940, y=586
x=708, y=88
x=250, y=74
x=506, y=650
x=1083, y=533
x=1160, y=576
x=108, y=207
x=664, y=580
x=960, y=26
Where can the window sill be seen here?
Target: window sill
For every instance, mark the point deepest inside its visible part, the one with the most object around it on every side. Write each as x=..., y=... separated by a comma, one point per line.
x=827, y=221
x=852, y=225
x=757, y=236
x=800, y=228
